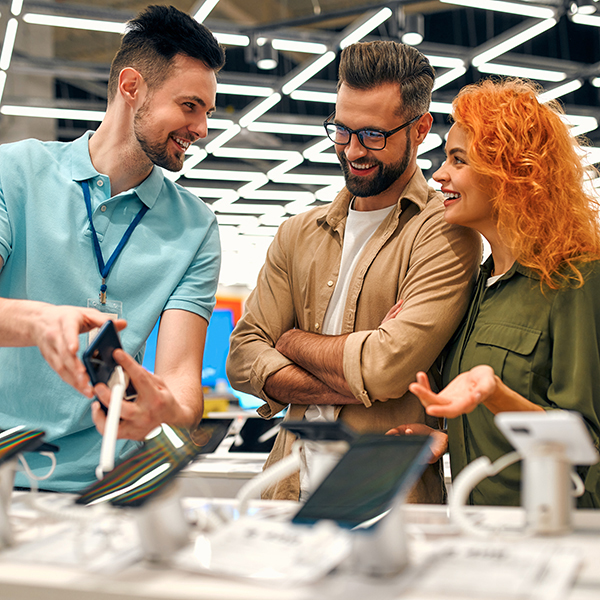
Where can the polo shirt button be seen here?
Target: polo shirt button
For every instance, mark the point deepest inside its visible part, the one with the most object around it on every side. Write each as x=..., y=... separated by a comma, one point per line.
x=330, y=283
x=100, y=183
x=103, y=207
x=317, y=326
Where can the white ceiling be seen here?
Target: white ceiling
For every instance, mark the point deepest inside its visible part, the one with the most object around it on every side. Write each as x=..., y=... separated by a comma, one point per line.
x=266, y=156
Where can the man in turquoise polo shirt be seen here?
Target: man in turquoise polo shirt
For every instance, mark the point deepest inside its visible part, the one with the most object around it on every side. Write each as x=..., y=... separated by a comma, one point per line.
x=65, y=212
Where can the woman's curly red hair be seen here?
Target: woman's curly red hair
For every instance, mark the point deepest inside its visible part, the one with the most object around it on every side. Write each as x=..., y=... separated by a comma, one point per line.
x=536, y=177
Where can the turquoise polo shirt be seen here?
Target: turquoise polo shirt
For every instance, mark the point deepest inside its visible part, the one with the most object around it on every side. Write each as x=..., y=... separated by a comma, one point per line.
x=171, y=261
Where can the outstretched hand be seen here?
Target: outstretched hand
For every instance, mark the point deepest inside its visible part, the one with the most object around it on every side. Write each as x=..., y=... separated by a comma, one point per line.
x=462, y=395
x=439, y=444
x=55, y=332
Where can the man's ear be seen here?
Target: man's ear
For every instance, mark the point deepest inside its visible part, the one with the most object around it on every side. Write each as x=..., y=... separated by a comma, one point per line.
x=132, y=86
x=422, y=127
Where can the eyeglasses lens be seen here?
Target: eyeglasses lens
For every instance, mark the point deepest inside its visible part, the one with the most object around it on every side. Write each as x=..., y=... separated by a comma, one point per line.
x=374, y=140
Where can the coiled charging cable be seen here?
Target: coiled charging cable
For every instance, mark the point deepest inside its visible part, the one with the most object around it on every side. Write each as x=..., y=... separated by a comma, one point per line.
x=470, y=476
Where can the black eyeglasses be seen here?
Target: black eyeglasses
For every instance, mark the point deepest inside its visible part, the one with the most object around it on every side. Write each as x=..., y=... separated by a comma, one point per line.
x=372, y=139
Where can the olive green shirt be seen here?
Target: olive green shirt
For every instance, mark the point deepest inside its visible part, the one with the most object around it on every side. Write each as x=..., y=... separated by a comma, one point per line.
x=543, y=345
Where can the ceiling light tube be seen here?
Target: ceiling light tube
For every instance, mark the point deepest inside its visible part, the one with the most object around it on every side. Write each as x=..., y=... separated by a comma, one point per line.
x=74, y=23
x=9, y=43
x=529, y=73
x=580, y=19
x=445, y=61
x=304, y=75
x=222, y=175
x=16, y=7
x=431, y=141
x=327, y=97
x=222, y=139
x=255, y=209
x=259, y=110
x=231, y=39
x=580, y=124
x=2, y=83
x=243, y=90
x=224, y=194
x=514, y=8
x=255, y=153
x=448, y=76
x=299, y=46
x=514, y=41
x=444, y=108
x=52, y=113
x=287, y=128
x=235, y=220
x=362, y=30
x=205, y=10
x=214, y=123
x=561, y=90
x=279, y=196
x=312, y=179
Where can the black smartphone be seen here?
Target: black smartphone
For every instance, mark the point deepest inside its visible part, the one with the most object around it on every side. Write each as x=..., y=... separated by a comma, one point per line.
x=376, y=471
x=155, y=464
x=320, y=430
x=99, y=362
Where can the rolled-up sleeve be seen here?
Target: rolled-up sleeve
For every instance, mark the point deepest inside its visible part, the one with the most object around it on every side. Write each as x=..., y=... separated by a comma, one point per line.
x=269, y=312
x=379, y=364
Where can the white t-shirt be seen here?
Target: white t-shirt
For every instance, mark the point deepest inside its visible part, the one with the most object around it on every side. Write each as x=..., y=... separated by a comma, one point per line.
x=360, y=226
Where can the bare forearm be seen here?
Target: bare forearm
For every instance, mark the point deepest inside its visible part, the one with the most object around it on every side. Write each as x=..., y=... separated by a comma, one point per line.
x=321, y=355
x=503, y=399
x=294, y=385
x=189, y=398
x=18, y=320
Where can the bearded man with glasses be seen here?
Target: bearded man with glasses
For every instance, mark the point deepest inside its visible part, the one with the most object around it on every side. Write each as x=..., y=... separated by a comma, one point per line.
x=357, y=296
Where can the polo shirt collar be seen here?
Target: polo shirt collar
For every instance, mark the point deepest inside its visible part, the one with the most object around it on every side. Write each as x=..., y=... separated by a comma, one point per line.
x=416, y=191
x=82, y=169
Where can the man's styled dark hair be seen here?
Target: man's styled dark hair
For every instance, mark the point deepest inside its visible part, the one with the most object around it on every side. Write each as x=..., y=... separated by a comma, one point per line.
x=366, y=65
x=155, y=37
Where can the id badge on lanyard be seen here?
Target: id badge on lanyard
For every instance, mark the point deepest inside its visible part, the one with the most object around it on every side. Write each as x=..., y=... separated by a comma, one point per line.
x=113, y=308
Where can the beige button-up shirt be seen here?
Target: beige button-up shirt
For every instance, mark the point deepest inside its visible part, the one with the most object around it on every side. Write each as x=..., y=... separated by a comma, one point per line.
x=415, y=256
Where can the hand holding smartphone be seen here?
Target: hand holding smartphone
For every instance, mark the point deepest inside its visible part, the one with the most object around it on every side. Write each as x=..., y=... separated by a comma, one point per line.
x=99, y=362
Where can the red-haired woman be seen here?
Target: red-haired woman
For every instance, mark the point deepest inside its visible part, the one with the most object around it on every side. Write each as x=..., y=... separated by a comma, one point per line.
x=531, y=338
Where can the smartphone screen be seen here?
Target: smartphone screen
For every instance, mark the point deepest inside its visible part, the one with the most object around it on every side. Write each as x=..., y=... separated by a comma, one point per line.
x=98, y=356
x=19, y=439
x=367, y=479
x=155, y=464
x=99, y=362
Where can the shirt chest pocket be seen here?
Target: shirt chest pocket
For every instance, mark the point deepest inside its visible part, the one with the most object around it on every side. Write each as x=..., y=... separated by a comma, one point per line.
x=509, y=350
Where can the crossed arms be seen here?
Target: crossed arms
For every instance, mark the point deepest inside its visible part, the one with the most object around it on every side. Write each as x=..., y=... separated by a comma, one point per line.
x=283, y=365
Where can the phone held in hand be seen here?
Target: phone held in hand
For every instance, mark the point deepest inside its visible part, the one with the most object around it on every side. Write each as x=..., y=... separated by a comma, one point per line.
x=99, y=362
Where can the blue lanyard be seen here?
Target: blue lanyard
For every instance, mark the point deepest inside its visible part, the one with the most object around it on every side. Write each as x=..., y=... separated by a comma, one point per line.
x=102, y=267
